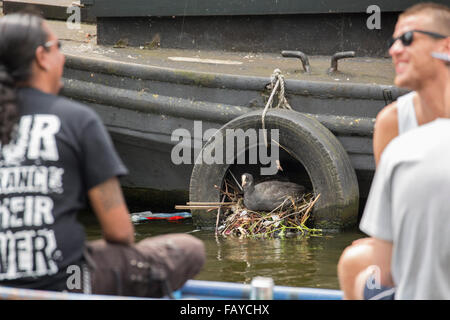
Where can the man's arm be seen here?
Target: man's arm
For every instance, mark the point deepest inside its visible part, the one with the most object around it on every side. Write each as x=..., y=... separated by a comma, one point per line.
x=386, y=129
x=111, y=210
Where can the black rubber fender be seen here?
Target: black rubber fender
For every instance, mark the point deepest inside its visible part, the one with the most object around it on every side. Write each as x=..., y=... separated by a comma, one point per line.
x=324, y=158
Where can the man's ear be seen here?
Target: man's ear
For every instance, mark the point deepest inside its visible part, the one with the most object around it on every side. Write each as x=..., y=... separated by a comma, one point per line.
x=41, y=58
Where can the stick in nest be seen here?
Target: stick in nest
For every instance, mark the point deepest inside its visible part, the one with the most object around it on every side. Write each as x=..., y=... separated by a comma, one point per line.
x=288, y=215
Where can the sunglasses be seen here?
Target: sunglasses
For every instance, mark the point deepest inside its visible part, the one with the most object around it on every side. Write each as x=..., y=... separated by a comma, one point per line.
x=49, y=44
x=408, y=37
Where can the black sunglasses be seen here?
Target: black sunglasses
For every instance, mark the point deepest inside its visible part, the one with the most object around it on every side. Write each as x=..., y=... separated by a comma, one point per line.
x=408, y=37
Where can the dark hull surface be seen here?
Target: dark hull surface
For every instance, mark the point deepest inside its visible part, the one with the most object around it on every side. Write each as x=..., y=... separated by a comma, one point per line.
x=142, y=105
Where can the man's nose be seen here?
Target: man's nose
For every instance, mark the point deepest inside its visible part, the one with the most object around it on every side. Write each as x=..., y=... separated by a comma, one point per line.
x=396, y=48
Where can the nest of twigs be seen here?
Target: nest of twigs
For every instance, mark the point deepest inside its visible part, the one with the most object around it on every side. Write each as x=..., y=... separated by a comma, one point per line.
x=287, y=220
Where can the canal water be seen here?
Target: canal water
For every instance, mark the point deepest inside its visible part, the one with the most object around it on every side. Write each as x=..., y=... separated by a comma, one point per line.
x=302, y=262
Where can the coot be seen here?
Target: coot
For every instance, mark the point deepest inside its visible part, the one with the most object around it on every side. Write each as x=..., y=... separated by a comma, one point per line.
x=268, y=195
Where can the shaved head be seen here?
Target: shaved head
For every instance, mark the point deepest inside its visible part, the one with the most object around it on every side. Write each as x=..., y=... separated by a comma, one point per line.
x=436, y=16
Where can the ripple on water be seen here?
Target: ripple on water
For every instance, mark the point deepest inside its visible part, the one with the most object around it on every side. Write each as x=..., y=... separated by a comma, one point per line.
x=301, y=262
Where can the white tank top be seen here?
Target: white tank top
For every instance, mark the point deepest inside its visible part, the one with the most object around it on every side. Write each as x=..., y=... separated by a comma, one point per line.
x=407, y=119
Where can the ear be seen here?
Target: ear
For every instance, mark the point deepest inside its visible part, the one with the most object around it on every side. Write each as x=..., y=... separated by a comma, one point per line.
x=42, y=58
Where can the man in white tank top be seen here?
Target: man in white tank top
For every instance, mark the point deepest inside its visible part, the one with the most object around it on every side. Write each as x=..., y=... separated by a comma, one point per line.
x=420, y=30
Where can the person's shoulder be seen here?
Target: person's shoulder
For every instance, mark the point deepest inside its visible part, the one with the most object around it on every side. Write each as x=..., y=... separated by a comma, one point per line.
x=432, y=134
x=74, y=107
x=73, y=111
x=385, y=129
x=387, y=118
x=38, y=101
x=417, y=143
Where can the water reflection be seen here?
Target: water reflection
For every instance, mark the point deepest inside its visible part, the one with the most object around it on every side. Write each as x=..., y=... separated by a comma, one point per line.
x=305, y=262
x=309, y=262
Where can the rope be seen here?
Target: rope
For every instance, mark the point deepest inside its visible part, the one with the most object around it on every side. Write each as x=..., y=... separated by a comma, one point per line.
x=278, y=84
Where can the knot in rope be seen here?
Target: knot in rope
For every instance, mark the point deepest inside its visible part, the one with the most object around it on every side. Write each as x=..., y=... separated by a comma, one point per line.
x=275, y=78
x=277, y=84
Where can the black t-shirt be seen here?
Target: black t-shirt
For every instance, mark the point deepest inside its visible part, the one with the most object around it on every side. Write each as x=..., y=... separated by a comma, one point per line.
x=60, y=150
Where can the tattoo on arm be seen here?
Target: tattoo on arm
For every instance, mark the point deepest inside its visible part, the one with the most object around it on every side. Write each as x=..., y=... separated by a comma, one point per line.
x=110, y=195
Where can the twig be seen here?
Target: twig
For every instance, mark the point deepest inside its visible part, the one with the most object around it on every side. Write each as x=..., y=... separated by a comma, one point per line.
x=210, y=203
x=235, y=180
x=312, y=204
x=218, y=215
x=198, y=207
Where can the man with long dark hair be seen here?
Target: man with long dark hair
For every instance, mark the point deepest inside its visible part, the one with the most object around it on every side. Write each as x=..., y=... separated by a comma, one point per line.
x=54, y=154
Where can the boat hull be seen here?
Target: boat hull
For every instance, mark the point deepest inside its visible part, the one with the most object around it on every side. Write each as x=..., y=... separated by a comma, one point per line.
x=142, y=105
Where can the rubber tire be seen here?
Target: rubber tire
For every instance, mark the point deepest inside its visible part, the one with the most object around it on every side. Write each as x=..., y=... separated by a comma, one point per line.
x=324, y=158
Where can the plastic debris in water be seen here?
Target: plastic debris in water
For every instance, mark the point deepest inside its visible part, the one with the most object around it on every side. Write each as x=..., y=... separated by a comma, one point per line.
x=148, y=215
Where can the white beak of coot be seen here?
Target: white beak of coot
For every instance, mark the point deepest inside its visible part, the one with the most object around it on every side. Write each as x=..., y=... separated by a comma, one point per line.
x=244, y=180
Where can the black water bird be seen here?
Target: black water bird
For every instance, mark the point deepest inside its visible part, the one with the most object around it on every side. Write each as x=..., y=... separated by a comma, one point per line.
x=268, y=195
